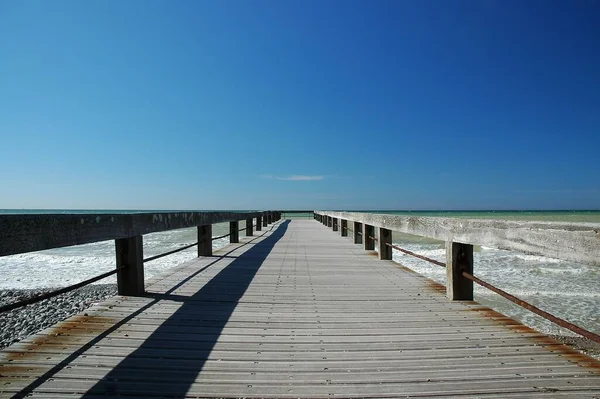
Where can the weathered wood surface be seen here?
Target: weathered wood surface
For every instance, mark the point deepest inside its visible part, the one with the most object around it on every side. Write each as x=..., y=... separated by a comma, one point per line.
x=27, y=233
x=577, y=242
x=295, y=312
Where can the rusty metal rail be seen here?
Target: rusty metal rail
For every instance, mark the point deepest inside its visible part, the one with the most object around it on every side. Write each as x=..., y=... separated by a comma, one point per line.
x=219, y=237
x=47, y=295
x=170, y=252
x=186, y=247
x=245, y=227
x=557, y=320
x=64, y=290
x=524, y=304
x=435, y=262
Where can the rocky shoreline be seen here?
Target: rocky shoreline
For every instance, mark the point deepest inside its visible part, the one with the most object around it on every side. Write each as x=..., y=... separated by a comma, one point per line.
x=20, y=323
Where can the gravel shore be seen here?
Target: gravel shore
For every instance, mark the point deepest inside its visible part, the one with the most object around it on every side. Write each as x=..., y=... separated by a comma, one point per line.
x=18, y=324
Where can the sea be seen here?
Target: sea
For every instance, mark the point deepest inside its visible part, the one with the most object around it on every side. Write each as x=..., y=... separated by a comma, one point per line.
x=563, y=288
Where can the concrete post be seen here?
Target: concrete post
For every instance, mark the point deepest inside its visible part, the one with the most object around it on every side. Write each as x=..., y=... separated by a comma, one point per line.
x=344, y=228
x=385, y=237
x=357, y=231
x=249, y=227
x=258, y=223
x=205, y=240
x=234, y=232
x=334, y=224
x=368, y=232
x=459, y=258
x=130, y=280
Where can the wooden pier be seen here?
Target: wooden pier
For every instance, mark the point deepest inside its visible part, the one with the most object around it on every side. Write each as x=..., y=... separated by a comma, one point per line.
x=294, y=311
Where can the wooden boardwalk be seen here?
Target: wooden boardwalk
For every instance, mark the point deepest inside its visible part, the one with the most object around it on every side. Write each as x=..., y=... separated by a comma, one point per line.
x=295, y=312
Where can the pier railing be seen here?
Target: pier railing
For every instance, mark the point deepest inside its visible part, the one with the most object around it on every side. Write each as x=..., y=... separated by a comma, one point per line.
x=577, y=242
x=36, y=232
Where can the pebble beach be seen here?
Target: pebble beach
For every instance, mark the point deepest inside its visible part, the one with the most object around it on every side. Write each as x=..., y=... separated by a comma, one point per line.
x=20, y=323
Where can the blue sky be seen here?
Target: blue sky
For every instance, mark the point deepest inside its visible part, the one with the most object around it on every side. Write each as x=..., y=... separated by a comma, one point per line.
x=308, y=104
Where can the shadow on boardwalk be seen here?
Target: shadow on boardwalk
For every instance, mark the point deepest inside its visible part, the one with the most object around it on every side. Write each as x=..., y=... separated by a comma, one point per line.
x=168, y=362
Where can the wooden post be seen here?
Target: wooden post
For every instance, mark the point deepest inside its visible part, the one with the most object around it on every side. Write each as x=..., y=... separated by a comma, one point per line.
x=264, y=219
x=344, y=228
x=234, y=232
x=249, y=228
x=258, y=223
x=357, y=231
x=329, y=221
x=130, y=280
x=368, y=232
x=385, y=237
x=459, y=258
x=334, y=224
x=205, y=240
x=269, y=217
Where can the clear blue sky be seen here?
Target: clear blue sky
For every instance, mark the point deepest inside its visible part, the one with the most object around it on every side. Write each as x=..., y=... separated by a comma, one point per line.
x=307, y=104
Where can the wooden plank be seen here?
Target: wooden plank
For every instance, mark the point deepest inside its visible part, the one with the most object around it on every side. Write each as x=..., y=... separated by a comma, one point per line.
x=300, y=313
x=324, y=387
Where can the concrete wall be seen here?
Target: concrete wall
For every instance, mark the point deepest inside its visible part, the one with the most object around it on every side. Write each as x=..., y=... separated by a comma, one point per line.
x=578, y=242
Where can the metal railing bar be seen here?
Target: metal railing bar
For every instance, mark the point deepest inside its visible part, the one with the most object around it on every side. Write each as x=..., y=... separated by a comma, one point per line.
x=548, y=316
x=47, y=295
x=435, y=262
x=169, y=253
x=557, y=320
x=223, y=236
